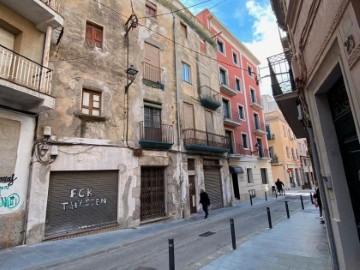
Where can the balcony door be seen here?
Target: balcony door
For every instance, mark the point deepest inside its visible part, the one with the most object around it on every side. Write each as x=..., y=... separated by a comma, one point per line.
x=209, y=128
x=256, y=121
x=7, y=40
x=152, y=124
x=229, y=136
x=152, y=63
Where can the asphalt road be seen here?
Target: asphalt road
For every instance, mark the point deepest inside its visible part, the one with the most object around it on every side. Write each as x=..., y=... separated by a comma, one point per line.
x=191, y=250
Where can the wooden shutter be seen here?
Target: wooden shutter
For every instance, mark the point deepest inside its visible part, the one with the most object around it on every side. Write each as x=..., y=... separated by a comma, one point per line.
x=152, y=55
x=209, y=122
x=188, y=116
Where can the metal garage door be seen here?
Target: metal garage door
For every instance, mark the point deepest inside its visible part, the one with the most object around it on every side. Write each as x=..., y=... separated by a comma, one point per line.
x=81, y=200
x=213, y=185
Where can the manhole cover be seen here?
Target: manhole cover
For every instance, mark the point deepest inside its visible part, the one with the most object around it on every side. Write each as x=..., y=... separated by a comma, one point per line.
x=206, y=234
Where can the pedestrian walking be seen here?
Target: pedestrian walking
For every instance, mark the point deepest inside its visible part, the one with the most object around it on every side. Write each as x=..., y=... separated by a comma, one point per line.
x=205, y=202
x=279, y=186
x=318, y=203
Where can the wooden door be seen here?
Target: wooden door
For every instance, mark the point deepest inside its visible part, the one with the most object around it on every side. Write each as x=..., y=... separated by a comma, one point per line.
x=152, y=124
x=152, y=63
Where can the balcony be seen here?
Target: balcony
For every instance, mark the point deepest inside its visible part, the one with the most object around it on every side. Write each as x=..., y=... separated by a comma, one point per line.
x=152, y=76
x=231, y=117
x=209, y=98
x=274, y=160
x=159, y=137
x=24, y=84
x=259, y=128
x=42, y=13
x=236, y=149
x=261, y=152
x=228, y=86
x=270, y=137
x=285, y=90
x=255, y=105
x=202, y=141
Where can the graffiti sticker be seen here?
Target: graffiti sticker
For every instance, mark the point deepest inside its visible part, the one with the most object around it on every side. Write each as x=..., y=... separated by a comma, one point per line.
x=10, y=201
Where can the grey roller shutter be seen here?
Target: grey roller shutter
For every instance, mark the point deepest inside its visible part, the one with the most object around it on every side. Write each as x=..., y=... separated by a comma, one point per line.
x=81, y=200
x=213, y=186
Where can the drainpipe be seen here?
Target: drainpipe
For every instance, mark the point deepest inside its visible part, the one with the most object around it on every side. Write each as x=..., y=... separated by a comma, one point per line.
x=323, y=199
x=178, y=106
x=47, y=44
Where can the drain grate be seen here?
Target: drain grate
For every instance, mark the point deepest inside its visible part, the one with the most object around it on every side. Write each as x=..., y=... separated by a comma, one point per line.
x=206, y=234
x=145, y=268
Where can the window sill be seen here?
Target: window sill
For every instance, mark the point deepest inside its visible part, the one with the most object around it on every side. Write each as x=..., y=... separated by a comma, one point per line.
x=90, y=118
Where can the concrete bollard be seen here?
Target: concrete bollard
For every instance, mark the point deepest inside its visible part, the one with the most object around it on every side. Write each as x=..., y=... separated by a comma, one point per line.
x=265, y=196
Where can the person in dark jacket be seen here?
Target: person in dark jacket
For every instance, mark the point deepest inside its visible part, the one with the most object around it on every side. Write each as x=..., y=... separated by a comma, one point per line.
x=318, y=203
x=205, y=202
x=279, y=186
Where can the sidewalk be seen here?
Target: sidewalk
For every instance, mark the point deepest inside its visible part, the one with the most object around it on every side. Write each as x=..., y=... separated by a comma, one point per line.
x=298, y=243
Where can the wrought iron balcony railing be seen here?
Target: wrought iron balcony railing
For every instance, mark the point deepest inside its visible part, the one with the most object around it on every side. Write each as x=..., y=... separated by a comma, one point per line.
x=53, y=4
x=152, y=73
x=259, y=128
x=23, y=71
x=209, y=98
x=158, y=136
x=231, y=116
x=228, y=85
x=282, y=79
x=203, y=141
x=261, y=152
x=238, y=149
x=274, y=160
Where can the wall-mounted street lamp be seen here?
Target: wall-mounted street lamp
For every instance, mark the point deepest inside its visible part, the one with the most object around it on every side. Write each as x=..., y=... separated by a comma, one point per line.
x=131, y=75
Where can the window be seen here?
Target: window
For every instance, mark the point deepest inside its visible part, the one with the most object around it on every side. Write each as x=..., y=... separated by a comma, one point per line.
x=297, y=154
x=250, y=71
x=150, y=9
x=191, y=164
x=284, y=130
x=256, y=121
x=220, y=46
x=94, y=34
x=249, y=176
x=271, y=151
x=289, y=133
x=268, y=132
x=241, y=113
x=287, y=152
x=186, y=73
x=235, y=58
x=223, y=77
x=183, y=29
x=253, y=95
x=293, y=153
x=152, y=70
x=91, y=103
x=226, y=107
x=264, y=176
x=244, y=140
x=152, y=123
x=237, y=84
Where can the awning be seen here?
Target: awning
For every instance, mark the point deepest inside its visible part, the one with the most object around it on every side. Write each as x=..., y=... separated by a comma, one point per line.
x=236, y=169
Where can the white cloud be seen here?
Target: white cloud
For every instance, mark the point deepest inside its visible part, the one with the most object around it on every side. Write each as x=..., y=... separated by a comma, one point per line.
x=267, y=40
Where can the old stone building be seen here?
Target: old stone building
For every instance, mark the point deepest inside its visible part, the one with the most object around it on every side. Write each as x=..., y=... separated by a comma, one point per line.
x=316, y=84
x=131, y=130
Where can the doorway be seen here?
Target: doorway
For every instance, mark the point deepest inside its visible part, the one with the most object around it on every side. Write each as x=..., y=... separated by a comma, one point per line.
x=348, y=143
x=235, y=185
x=192, y=194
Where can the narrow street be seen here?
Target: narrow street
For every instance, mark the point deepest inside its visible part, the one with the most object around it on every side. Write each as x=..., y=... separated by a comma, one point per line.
x=191, y=250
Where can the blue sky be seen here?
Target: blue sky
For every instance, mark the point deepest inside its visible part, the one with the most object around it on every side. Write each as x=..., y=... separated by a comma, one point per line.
x=252, y=22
